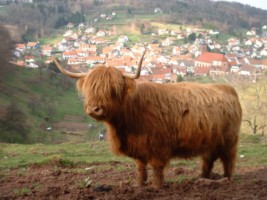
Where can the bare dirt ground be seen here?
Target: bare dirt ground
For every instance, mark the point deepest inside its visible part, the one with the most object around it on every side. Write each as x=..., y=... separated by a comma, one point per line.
x=115, y=180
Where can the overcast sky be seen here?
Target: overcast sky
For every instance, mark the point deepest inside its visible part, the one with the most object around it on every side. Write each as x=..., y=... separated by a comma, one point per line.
x=256, y=3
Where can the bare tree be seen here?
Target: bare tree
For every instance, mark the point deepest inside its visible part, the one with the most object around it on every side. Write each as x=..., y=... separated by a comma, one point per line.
x=255, y=107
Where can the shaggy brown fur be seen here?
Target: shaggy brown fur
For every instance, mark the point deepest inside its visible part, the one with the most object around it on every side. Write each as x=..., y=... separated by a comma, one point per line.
x=153, y=123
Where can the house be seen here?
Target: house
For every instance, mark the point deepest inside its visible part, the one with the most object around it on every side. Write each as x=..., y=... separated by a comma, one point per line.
x=62, y=46
x=210, y=61
x=187, y=64
x=179, y=70
x=81, y=59
x=101, y=33
x=181, y=36
x=234, y=69
x=70, y=54
x=47, y=50
x=233, y=63
x=258, y=44
x=90, y=60
x=29, y=59
x=20, y=47
x=103, y=15
x=247, y=70
x=98, y=40
x=70, y=25
x=73, y=61
x=161, y=75
x=163, y=32
x=87, y=47
x=175, y=32
x=256, y=63
x=108, y=50
x=90, y=30
x=233, y=42
x=81, y=53
x=123, y=39
x=168, y=41
x=68, y=33
x=32, y=45
x=251, y=32
x=264, y=40
x=32, y=65
x=263, y=52
x=162, y=59
x=153, y=47
x=158, y=11
x=214, y=32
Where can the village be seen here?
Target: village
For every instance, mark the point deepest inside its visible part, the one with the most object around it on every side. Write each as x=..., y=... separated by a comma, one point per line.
x=167, y=60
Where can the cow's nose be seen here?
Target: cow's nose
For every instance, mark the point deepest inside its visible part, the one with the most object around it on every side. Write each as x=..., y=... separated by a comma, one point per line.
x=94, y=110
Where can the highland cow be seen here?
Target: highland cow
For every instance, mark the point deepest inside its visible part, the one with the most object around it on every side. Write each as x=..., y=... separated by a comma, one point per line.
x=153, y=123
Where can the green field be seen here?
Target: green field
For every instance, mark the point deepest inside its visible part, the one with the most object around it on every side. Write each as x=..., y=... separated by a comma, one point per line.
x=252, y=151
x=17, y=155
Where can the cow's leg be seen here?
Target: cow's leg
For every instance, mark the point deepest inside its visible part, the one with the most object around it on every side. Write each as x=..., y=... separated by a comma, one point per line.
x=207, y=164
x=228, y=159
x=158, y=167
x=141, y=172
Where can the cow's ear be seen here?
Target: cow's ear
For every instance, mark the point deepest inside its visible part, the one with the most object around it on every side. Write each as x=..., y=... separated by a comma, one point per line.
x=79, y=84
x=130, y=86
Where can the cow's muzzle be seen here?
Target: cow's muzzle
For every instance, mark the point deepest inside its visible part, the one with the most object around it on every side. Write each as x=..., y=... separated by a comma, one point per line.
x=94, y=111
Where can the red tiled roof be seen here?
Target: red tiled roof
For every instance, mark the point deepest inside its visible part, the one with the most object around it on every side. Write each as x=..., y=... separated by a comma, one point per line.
x=73, y=53
x=20, y=63
x=47, y=48
x=161, y=70
x=209, y=57
x=158, y=76
x=20, y=46
x=72, y=60
x=31, y=44
x=28, y=57
x=233, y=63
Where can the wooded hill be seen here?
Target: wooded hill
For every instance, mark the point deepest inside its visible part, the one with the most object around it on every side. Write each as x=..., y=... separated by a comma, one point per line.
x=40, y=18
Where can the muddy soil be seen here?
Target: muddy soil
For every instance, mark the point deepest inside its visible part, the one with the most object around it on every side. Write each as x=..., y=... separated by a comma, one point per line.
x=115, y=180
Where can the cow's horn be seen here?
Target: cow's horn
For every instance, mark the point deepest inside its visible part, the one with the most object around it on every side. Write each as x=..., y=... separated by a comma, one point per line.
x=68, y=73
x=138, y=70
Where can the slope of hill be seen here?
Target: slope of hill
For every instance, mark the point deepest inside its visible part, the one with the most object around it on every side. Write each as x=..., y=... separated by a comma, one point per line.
x=32, y=101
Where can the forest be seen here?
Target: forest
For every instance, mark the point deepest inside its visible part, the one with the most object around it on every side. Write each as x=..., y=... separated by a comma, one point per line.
x=40, y=18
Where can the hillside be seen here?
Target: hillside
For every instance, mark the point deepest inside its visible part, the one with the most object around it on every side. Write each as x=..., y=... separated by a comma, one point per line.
x=31, y=101
x=46, y=16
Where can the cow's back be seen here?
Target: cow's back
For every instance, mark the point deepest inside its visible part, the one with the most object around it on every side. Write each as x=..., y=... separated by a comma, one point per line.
x=189, y=118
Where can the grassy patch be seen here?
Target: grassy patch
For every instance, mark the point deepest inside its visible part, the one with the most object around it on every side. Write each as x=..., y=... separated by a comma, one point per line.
x=168, y=26
x=179, y=178
x=16, y=155
x=55, y=38
x=21, y=191
x=250, y=153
